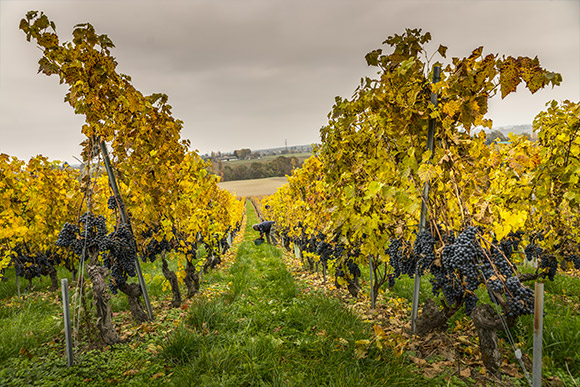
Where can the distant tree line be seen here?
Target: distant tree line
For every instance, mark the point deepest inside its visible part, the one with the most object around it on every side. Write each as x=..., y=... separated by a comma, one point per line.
x=496, y=135
x=280, y=166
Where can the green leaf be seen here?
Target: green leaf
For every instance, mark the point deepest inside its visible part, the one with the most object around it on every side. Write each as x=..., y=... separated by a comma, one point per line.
x=373, y=57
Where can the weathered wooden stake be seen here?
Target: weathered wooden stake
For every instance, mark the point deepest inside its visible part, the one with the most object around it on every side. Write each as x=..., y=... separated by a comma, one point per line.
x=67, y=328
x=538, y=327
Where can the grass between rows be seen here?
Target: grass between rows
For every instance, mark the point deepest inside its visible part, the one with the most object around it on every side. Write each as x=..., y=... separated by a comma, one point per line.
x=253, y=325
x=264, y=330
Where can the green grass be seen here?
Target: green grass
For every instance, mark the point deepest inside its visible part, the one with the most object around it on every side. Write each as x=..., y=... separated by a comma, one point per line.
x=265, y=331
x=561, y=333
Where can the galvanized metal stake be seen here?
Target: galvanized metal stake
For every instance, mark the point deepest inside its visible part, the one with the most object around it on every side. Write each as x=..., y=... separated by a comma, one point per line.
x=538, y=327
x=424, y=201
x=125, y=219
x=372, y=287
x=66, y=315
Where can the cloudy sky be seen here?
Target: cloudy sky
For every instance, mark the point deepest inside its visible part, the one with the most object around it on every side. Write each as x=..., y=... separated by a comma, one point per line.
x=254, y=73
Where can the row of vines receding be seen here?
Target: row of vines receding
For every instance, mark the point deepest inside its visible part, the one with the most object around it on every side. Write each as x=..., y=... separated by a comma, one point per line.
x=489, y=208
x=152, y=199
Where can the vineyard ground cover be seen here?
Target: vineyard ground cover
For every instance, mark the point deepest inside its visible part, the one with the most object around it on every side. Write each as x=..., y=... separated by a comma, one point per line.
x=257, y=323
x=267, y=329
x=453, y=354
x=32, y=337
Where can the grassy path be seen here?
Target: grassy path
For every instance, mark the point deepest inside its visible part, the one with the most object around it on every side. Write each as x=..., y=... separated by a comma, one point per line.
x=262, y=330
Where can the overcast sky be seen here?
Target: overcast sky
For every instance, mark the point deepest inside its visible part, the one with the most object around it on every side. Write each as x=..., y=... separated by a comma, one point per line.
x=252, y=74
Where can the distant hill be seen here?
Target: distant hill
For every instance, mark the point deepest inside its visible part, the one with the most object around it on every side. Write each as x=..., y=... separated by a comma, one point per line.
x=515, y=129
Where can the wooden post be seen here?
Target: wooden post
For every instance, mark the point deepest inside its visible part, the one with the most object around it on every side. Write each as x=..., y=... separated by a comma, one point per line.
x=67, y=328
x=125, y=219
x=424, y=201
x=538, y=327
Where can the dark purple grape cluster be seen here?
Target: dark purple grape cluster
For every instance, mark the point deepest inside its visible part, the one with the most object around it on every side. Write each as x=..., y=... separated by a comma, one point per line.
x=424, y=251
x=324, y=250
x=394, y=253
x=520, y=298
x=120, y=256
x=154, y=247
x=470, y=302
x=402, y=263
x=549, y=265
x=117, y=249
x=90, y=233
x=462, y=256
x=353, y=268
x=112, y=203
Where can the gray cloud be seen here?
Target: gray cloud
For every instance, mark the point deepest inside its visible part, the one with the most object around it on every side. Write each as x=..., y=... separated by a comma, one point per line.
x=254, y=73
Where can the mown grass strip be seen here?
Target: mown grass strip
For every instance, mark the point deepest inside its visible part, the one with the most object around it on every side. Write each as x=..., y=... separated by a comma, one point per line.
x=265, y=331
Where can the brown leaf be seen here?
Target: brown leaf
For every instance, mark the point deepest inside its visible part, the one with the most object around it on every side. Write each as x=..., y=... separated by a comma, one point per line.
x=418, y=361
x=131, y=372
x=466, y=373
x=25, y=352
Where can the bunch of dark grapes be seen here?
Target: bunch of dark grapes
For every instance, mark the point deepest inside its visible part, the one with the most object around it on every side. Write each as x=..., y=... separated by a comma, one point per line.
x=68, y=236
x=120, y=256
x=458, y=275
x=466, y=251
x=532, y=250
x=353, y=268
x=520, y=298
x=153, y=248
x=501, y=260
x=112, y=203
x=576, y=260
x=90, y=233
x=424, y=251
x=470, y=302
x=25, y=264
x=394, y=253
x=324, y=250
x=549, y=265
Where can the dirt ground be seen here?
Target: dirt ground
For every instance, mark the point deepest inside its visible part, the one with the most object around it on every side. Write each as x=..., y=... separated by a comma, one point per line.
x=255, y=187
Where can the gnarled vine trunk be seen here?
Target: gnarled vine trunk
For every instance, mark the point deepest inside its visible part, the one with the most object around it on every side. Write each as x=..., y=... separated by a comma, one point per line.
x=432, y=317
x=487, y=323
x=101, y=299
x=53, y=279
x=191, y=280
x=133, y=293
x=172, y=278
